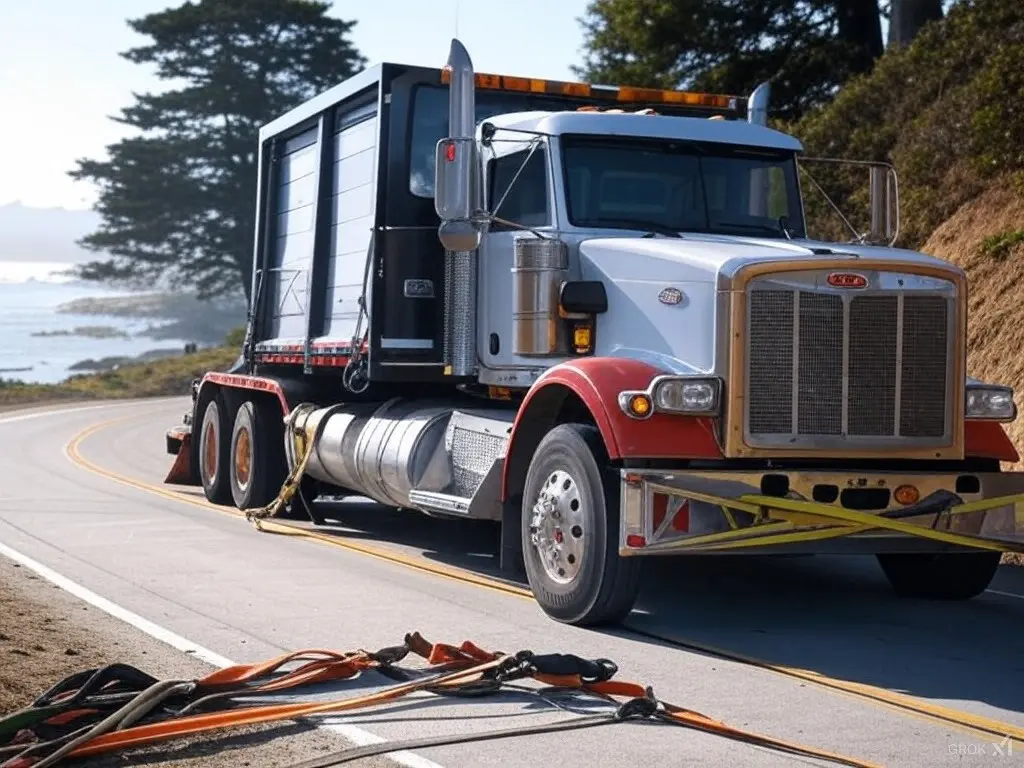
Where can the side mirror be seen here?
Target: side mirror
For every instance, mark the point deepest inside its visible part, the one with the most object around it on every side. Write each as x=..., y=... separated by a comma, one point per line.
x=457, y=183
x=885, y=215
x=453, y=192
x=454, y=198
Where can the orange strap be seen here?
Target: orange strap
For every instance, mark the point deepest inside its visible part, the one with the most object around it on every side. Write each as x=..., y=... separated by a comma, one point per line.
x=245, y=673
x=703, y=722
x=188, y=726
x=453, y=666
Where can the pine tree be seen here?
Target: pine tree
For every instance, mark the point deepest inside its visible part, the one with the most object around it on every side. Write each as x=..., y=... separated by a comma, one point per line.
x=806, y=48
x=177, y=200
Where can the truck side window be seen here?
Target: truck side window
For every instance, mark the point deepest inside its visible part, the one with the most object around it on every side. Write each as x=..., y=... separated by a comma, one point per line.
x=430, y=125
x=527, y=201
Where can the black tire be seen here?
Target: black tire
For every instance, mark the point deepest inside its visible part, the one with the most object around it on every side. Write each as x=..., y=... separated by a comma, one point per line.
x=600, y=587
x=257, y=455
x=214, y=448
x=309, y=489
x=940, y=576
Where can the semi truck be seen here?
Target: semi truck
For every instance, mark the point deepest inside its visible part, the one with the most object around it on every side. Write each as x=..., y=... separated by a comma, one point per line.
x=594, y=316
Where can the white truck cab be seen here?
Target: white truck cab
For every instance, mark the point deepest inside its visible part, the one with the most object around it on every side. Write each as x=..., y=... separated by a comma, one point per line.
x=605, y=329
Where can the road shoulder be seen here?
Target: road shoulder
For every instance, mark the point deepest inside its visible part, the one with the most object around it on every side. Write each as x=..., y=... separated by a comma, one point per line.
x=47, y=634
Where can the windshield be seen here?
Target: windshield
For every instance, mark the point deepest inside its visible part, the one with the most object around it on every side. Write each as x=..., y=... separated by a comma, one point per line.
x=681, y=186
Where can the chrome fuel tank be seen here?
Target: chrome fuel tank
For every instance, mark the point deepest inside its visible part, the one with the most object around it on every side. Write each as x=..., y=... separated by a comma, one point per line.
x=382, y=451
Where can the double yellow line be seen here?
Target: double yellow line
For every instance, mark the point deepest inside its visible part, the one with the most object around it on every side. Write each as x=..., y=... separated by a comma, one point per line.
x=272, y=526
x=977, y=725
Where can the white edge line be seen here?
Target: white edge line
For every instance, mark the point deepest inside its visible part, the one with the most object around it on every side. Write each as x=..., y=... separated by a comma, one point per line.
x=34, y=413
x=1004, y=594
x=352, y=733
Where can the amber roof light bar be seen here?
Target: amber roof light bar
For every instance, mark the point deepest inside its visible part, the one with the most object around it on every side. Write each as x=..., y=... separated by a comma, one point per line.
x=623, y=94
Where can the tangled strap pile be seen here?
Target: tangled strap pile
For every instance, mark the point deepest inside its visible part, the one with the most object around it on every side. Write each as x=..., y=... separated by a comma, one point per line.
x=119, y=707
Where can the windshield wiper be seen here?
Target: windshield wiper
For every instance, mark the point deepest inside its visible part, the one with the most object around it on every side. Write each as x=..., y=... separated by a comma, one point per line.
x=653, y=227
x=779, y=229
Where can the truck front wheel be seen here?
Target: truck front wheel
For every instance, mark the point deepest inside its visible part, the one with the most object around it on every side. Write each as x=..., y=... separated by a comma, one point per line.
x=940, y=576
x=570, y=526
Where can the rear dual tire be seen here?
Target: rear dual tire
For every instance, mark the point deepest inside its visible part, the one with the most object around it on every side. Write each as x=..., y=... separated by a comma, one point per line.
x=570, y=531
x=241, y=455
x=257, y=450
x=215, y=451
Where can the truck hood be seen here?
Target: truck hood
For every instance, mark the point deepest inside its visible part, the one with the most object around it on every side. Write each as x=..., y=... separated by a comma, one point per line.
x=663, y=293
x=706, y=258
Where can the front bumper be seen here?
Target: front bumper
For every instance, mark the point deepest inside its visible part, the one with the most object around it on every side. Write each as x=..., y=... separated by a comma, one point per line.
x=693, y=511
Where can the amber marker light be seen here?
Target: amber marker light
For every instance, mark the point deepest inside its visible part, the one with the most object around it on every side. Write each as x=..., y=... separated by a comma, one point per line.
x=637, y=405
x=640, y=405
x=907, y=495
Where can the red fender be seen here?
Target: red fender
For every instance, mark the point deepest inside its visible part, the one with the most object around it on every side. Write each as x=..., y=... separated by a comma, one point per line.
x=597, y=381
x=245, y=381
x=988, y=440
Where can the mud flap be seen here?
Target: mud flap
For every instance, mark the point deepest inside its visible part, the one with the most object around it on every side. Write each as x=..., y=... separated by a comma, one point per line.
x=181, y=470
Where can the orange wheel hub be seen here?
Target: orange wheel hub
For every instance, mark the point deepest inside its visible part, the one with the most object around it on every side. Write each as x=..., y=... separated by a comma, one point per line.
x=210, y=452
x=243, y=458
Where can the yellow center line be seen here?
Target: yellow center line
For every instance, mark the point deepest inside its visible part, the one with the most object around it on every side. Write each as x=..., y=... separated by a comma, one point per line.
x=978, y=725
x=76, y=457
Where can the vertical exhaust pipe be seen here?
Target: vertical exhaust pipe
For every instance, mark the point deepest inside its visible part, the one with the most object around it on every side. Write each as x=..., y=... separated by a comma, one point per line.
x=462, y=98
x=757, y=104
x=458, y=195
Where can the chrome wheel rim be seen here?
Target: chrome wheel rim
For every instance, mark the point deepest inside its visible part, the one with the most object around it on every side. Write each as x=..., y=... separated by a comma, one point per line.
x=557, y=527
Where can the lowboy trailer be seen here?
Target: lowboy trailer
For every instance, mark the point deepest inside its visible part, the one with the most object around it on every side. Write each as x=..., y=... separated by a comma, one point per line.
x=594, y=316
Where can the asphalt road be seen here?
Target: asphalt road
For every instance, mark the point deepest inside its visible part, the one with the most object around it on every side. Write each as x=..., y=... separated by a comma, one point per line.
x=833, y=659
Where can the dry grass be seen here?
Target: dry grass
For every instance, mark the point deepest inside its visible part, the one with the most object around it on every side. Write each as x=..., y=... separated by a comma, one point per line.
x=995, y=286
x=158, y=378
x=981, y=239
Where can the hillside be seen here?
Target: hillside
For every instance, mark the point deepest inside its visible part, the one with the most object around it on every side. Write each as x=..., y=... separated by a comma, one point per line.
x=154, y=378
x=986, y=238
x=946, y=112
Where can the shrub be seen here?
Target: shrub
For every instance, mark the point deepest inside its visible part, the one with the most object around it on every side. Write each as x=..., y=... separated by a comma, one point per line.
x=945, y=111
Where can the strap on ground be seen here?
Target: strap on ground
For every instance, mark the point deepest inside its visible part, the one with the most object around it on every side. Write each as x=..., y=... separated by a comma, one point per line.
x=70, y=722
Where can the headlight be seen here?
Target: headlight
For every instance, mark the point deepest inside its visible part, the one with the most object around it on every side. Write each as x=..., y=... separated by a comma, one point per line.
x=693, y=395
x=686, y=395
x=990, y=402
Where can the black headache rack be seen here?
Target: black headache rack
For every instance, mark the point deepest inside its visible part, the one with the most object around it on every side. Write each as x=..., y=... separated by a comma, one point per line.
x=346, y=198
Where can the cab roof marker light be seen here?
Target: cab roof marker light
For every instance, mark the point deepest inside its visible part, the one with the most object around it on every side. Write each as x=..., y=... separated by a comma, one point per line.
x=628, y=94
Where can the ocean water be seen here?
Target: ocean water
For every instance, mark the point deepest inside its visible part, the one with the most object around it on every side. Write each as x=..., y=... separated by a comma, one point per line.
x=30, y=293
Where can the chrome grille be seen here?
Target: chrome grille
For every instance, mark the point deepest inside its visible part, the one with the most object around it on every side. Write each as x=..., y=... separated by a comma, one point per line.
x=844, y=364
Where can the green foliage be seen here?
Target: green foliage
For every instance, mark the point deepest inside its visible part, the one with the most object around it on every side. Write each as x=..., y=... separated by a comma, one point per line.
x=235, y=338
x=177, y=200
x=807, y=48
x=944, y=111
x=999, y=246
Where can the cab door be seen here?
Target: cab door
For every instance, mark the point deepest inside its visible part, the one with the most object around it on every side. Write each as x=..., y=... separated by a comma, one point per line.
x=527, y=202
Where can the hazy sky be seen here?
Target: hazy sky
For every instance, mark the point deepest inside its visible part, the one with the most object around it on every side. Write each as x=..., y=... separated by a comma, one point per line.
x=61, y=77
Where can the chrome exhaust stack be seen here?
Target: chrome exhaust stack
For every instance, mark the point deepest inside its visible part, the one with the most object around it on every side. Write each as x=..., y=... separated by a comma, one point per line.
x=458, y=202
x=757, y=104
